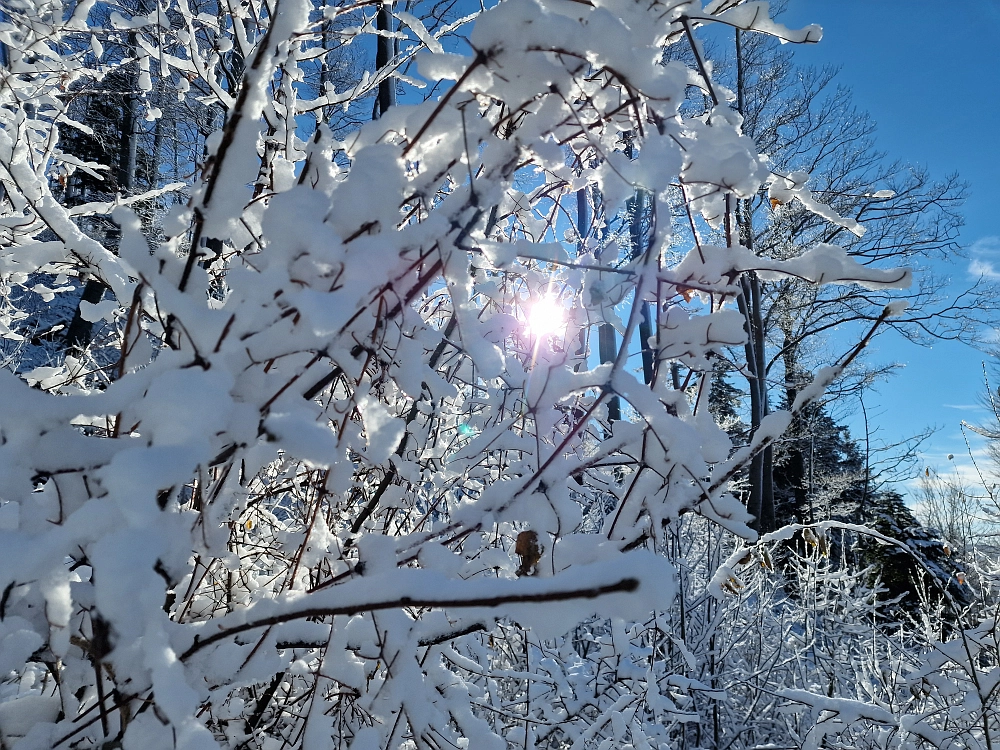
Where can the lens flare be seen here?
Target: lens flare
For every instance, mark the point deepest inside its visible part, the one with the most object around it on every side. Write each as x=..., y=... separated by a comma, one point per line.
x=546, y=317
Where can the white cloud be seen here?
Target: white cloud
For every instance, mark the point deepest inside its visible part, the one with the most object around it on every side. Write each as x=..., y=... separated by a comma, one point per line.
x=970, y=463
x=988, y=244
x=979, y=267
x=963, y=407
x=991, y=336
x=985, y=257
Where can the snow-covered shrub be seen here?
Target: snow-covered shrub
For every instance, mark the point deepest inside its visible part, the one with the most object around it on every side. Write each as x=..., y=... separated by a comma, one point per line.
x=353, y=478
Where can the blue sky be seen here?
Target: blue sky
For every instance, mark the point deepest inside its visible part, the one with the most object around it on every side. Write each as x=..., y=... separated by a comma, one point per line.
x=928, y=74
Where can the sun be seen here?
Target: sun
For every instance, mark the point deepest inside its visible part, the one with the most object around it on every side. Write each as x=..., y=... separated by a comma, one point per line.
x=546, y=316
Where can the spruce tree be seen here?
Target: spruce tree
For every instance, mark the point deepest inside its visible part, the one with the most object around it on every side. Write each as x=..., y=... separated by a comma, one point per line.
x=923, y=571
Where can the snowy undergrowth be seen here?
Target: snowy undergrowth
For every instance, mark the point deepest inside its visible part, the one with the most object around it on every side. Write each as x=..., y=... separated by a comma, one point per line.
x=357, y=497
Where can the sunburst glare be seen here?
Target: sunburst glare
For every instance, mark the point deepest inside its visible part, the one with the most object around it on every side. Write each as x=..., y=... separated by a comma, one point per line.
x=546, y=316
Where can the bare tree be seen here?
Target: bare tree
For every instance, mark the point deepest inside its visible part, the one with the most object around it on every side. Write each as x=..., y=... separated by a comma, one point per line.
x=808, y=126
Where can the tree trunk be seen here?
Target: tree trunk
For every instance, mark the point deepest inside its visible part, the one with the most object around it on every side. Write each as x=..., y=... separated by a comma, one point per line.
x=383, y=55
x=81, y=332
x=638, y=208
x=795, y=467
x=607, y=341
x=608, y=350
x=325, y=72
x=754, y=500
x=765, y=522
x=761, y=502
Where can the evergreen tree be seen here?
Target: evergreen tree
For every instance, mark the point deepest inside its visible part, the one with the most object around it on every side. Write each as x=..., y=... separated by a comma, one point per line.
x=924, y=571
x=726, y=402
x=819, y=471
x=820, y=474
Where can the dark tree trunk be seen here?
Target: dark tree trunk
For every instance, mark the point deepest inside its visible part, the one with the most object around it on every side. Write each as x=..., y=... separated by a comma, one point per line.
x=754, y=383
x=607, y=341
x=81, y=332
x=794, y=470
x=638, y=231
x=761, y=501
x=608, y=350
x=383, y=56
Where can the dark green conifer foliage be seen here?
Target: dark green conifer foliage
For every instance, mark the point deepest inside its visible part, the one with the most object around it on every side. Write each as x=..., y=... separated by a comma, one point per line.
x=926, y=568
